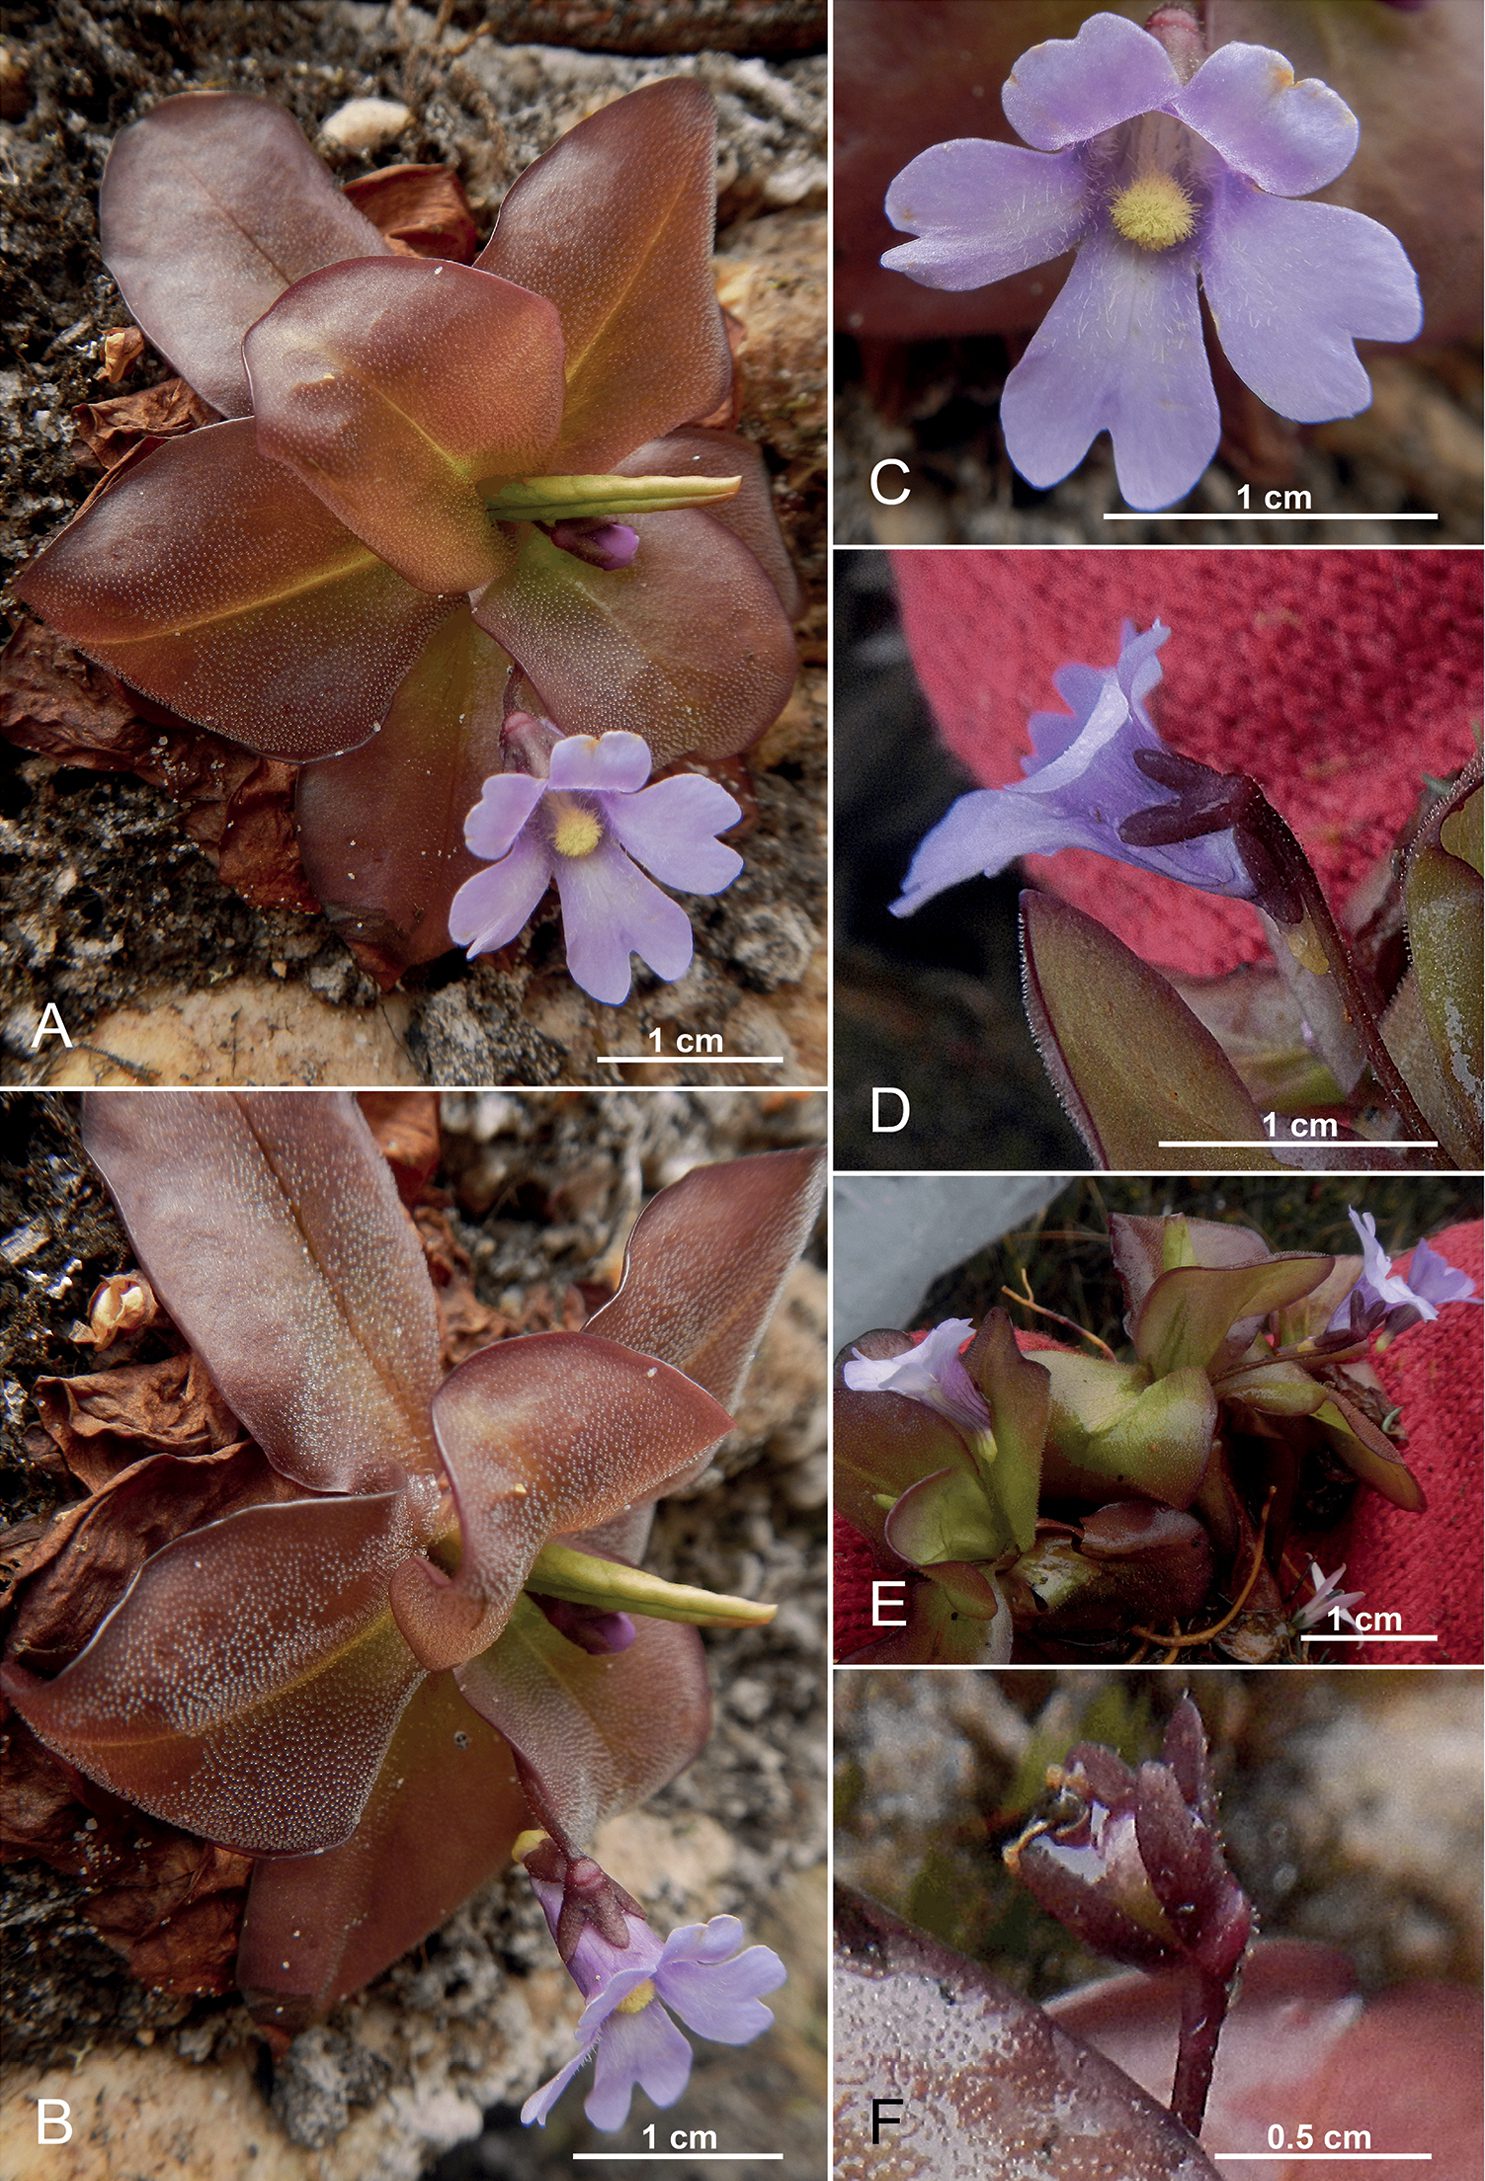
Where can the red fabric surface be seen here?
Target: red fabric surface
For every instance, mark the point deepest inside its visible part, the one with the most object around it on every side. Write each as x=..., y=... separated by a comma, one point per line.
x=1427, y=1567
x=1336, y=678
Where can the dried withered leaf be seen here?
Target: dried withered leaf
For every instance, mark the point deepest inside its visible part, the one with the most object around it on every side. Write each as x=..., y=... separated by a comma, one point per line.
x=422, y=211
x=106, y=1420
x=110, y=429
x=237, y=806
x=172, y=1904
x=92, y=1552
x=122, y=348
x=405, y=1125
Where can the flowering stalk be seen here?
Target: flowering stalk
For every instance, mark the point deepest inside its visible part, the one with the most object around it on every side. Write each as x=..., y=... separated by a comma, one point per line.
x=1287, y=893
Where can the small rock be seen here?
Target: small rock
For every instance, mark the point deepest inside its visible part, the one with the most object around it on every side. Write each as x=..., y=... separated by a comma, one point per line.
x=365, y=124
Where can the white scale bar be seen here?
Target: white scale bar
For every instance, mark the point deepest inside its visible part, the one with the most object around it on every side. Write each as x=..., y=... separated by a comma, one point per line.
x=1290, y=1143
x=653, y=2158
x=691, y=1060
x=1278, y=2158
x=1268, y=515
x=1367, y=1639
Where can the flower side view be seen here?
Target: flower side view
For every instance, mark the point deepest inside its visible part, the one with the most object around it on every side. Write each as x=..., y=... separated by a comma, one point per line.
x=633, y=1982
x=1386, y=1297
x=1165, y=169
x=583, y=819
x=1083, y=783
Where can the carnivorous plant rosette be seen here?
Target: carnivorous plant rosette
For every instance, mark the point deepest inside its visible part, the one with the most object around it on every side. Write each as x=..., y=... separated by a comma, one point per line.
x=1067, y=1503
x=433, y=486
x=1161, y=165
x=398, y=1621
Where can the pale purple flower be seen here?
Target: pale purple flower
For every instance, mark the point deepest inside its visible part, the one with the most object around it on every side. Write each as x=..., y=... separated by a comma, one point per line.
x=586, y=825
x=932, y=1371
x=705, y=1973
x=1328, y=1598
x=1081, y=785
x=1160, y=173
x=1382, y=1295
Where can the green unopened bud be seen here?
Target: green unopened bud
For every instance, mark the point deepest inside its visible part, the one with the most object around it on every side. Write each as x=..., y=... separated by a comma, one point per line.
x=585, y=1579
x=573, y=499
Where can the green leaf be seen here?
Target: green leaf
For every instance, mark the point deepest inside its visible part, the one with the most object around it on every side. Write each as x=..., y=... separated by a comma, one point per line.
x=1191, y=1314
x=1017, y=1392
x=1127, y=1057
x=946, y=1624
x=883, y=1442
x=947, y=1517
x=1445, y=903
x=1254, y=1016
x=1144, y=1248
x=616, y=496
x=585, y=1578
x=1110, y=1427
x=1286, y=1389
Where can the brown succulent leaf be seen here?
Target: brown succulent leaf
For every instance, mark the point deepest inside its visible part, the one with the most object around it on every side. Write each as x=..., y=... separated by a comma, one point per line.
x=422, y=211
x=110, y=429
x=104, y=1421
x=92, y=1552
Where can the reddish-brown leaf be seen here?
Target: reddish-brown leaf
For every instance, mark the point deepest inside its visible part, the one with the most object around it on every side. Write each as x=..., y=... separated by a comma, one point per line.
x=547, y=1434
x=422, y=210
x=688, y=646
x=749, y=515
x=210, y=207
x=614, y=224
x=210, y=578
x=391, y=387
x=442, y=1819
x=271, y=1228
x=381, y=830
x=92, y=1552
x=594, y=1734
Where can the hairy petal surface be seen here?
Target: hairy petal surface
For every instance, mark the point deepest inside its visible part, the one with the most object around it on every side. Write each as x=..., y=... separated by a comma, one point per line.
x=706, y=1262
x=211, y=579
x=593, y=1734
x=1288, y=137
x=270, y=1225
x=248, y=1684
x=210, y=207
x=981, y=211
x=1293, y=287
x=1121, y=351
x=441, y=1820
x=749, y=514
x=1067, y=89
x=392, y=387
x=543, y=1434
x=614, y=224
x=687, y=646
x=381, y=830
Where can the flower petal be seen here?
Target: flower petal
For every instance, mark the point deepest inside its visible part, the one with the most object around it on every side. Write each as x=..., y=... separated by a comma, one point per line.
x=490, y=908
x=507, y=800
x=540, y=2102
x=1120, y=351
x=670, y=829
x=721, y=2000
x=610, y=910
x=982, y=211
x=1292, y=287
x=1068, y=89
x=1288, y=137
x=645, y=2049
x=718, y=1939
x=618, y=762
